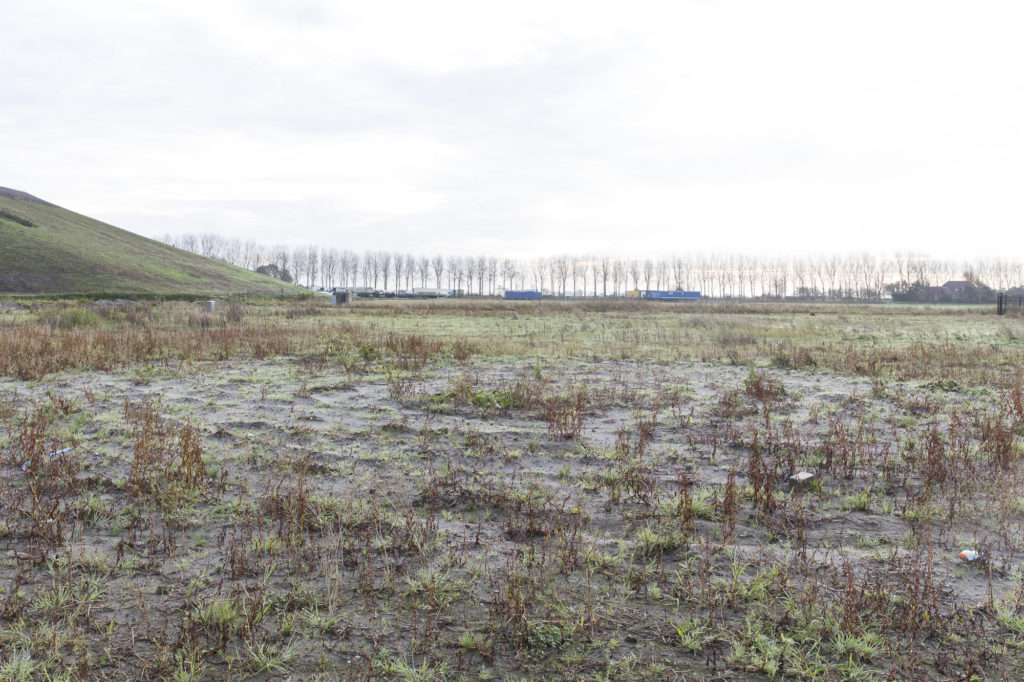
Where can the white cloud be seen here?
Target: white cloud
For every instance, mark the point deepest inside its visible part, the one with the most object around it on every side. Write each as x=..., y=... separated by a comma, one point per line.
x=525, y=128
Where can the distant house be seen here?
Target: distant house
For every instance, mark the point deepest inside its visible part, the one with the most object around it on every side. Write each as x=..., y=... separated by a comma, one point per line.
x=953, y=291
x=961, y=290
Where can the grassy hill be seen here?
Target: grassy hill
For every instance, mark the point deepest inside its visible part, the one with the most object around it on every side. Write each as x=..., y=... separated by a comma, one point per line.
x=47, y=249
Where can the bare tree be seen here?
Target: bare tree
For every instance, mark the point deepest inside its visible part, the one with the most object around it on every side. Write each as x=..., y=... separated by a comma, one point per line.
x=703, y=266
x=689, y=273
x=579, y=274
x=1017, y=274
x=250, y=254
x=734, y=273
x=799, y=267
x=817, y=264
x=210, y=245
x=618, y=276
x=678, y=272
x=371, y=269
x=759, y=272
x=560, y=270
x=410, y=271
x=384, y=258
x=885, y=267
x=780, y=277
x=634, y=272
x=539, y=270
x=832, y=265
x=901, y=261
x=349, y=268
x=604, y=271
x=329, y=258
x=492, y=275
x=281, y=256
x=508, y=273
x=423, y=270
x=456, y=272
x=723, y=272
x=231, y=251
x=863, y=265
x=648, y=270
x=661, y=270
x=592, y=268
x=920, y=272
x=310, y=263
x=438, y=264
x=469, y=268
x=399, y=261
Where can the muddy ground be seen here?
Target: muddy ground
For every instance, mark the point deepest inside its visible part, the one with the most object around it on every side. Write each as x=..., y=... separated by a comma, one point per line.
x=504, y=520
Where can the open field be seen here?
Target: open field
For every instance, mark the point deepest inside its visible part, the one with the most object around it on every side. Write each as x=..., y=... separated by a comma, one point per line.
x=488, y=490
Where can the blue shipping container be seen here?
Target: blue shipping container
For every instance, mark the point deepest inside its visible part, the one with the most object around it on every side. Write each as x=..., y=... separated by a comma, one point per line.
x=670, y=295
x=522, y=295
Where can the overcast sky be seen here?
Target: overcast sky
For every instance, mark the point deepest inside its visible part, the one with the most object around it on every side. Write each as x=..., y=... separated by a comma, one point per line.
x=526, y=128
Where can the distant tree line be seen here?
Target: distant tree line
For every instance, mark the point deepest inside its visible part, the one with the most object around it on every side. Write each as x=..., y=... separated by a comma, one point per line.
x=864, y=276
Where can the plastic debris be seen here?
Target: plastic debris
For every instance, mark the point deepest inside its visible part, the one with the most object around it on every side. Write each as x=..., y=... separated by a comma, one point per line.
x=801, y=477
x=969, y=555
x=50, y=455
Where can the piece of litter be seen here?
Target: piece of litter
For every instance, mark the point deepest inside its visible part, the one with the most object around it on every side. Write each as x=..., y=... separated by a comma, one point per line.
x=801, y=477
x=24, y=467
x=969, y=555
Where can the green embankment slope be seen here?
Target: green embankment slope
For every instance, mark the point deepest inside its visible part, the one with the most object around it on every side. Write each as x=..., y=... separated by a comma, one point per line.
x=47, y=249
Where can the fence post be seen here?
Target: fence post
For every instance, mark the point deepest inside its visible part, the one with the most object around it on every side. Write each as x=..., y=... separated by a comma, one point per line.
x=1000, y=303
